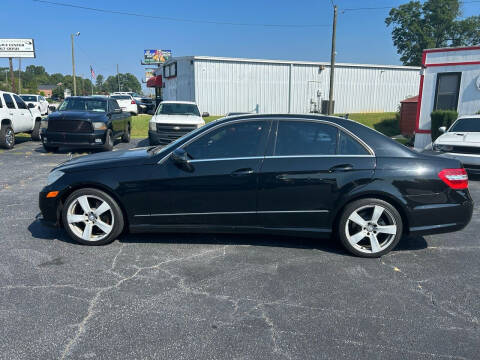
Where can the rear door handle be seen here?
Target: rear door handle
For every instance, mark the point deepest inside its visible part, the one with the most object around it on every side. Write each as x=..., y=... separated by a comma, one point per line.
x=342, y=167
x=242, y=172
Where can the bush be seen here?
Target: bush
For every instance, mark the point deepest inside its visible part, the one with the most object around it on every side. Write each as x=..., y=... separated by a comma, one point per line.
x=441, y=118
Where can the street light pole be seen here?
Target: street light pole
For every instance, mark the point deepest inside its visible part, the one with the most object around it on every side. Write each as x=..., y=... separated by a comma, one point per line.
x=73, y=63
x=332, y=61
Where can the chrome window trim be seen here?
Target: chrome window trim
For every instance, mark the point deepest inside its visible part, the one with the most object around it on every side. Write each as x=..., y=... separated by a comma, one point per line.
x=223, y=159
x=236, y=213
x=316, y=156
x=341, y=128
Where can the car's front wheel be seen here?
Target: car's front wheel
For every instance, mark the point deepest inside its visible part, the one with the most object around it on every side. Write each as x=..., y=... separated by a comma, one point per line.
x=92, y=217
x=370, y=227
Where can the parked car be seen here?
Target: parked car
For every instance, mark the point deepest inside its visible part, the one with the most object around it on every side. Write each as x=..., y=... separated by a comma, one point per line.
x=274, y=174
x=16, y=117
x=127, y=103
x=462, y=142
x=172, y=120
x=38, y=101
x=86, y=122
x=145, y=104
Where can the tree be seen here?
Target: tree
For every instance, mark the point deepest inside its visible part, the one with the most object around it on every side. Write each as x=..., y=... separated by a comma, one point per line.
x=128, y=82
x=99, y=83
x=433, y=24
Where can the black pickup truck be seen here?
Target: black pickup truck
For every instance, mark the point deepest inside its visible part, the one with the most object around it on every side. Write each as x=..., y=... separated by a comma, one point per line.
x=86, y=122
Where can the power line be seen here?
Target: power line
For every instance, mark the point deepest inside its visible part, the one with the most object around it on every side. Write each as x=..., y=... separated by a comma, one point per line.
x=118, y=12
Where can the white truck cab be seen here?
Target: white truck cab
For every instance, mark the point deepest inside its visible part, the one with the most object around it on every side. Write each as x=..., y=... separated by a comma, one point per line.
x=16, y=117
x=173, y=119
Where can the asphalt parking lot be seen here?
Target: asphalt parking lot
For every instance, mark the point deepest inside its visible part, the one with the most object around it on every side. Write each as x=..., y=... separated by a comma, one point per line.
x=225, y=296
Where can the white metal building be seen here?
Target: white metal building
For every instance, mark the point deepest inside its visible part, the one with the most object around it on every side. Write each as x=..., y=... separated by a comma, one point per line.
x=451, y=80
x=220, y=85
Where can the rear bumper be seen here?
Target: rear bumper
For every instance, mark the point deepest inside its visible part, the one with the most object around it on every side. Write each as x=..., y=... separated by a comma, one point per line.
x=440, y=218
x=86, y=140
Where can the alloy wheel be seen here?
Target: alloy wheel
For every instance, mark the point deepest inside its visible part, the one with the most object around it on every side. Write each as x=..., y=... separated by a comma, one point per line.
x=9, y=137
x=90, y=218
x=370, y=229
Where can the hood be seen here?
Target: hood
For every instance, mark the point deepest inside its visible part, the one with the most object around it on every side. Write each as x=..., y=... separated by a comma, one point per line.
x=107, y=160
x=459, y=138
x=178, y=119
x=77, y=115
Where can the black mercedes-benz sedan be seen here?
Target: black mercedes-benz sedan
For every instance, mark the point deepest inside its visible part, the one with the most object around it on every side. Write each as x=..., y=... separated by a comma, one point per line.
x=278, y=174
x=86, y=122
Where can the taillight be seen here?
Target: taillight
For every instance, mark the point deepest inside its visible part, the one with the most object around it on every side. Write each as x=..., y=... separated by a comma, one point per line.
x=455, y=178
x=133, y=102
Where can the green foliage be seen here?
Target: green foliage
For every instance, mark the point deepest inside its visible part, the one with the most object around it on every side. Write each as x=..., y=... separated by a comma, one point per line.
x=128, y=82
x=433, y=24
x=441, y=118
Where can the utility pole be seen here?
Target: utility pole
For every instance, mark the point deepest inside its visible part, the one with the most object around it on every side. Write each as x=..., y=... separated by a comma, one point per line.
x=118, y=79
x=332, y=61
x=19, y=75
x=12, y=76
x=73, y=63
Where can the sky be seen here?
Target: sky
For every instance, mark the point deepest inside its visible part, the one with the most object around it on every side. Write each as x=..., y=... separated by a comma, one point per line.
x=109, y=39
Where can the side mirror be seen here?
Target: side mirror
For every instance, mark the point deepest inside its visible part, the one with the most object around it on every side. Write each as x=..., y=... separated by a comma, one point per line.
x=52, y=108
x=205, y=114
x=442, y=129
x=180, y=158
x=31, y=106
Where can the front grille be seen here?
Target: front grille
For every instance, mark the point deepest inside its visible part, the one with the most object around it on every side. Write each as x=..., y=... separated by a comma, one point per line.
x=73, y=126
x=171, y=132
x=465, y=150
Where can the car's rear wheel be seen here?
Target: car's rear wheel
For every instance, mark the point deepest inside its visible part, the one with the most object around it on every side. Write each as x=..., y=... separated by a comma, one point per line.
x=7, y=137
x=370, y=227
x=92, y=217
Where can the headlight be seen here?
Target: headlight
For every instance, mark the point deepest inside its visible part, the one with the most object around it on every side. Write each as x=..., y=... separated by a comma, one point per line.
x=44, y=124
x=99, y=126
x=54, y=176
x=152, y=126
x=444, y=148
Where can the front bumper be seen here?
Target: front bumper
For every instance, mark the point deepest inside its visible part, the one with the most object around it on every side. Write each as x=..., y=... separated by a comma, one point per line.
x=84, y=140
x=49, y=208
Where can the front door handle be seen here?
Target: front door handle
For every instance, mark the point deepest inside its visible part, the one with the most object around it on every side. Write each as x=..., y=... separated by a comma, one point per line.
x=342, y=167
x=242, y=172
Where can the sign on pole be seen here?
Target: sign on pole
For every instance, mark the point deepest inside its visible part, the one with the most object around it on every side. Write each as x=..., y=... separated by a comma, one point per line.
x=151, y=57
x=149, y=73
x=17, y=48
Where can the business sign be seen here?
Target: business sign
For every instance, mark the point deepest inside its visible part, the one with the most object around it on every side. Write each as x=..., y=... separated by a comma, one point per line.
x=17, y=48
x=156, y=56
x=149, y=73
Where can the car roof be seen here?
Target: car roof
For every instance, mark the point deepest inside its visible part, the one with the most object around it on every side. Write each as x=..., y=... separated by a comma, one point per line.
x=29, y=95
x=178, y=102
x=97, y=97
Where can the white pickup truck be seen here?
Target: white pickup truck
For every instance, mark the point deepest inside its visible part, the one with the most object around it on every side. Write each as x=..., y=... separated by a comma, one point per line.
x=16, y=117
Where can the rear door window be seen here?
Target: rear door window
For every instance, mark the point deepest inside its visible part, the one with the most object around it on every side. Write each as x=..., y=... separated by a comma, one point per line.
x=347, y=145
x=297, y=138
x=20, y=103
x=9, y=101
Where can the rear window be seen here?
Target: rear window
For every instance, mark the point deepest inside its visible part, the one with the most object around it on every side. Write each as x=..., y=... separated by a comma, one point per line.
x=120, y=97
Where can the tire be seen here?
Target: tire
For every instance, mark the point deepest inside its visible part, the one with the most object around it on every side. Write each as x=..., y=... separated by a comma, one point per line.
x=50, y=148
x=126, y=134
x=370, y=227
x=108, y=145
x=36, y=131
x=92, y=217
x=7, y=137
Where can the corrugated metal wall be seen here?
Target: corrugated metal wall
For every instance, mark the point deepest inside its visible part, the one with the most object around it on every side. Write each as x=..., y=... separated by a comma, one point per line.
x=222, y=86
x=181, y=87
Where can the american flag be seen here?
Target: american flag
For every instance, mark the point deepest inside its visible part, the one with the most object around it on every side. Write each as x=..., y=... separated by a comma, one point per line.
x=92, y=73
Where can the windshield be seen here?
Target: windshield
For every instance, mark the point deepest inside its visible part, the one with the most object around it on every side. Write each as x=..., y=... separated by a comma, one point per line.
x=28, y=97
x=98, y=105
x=178, y=109
x=466, y=125
x=120, y=97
